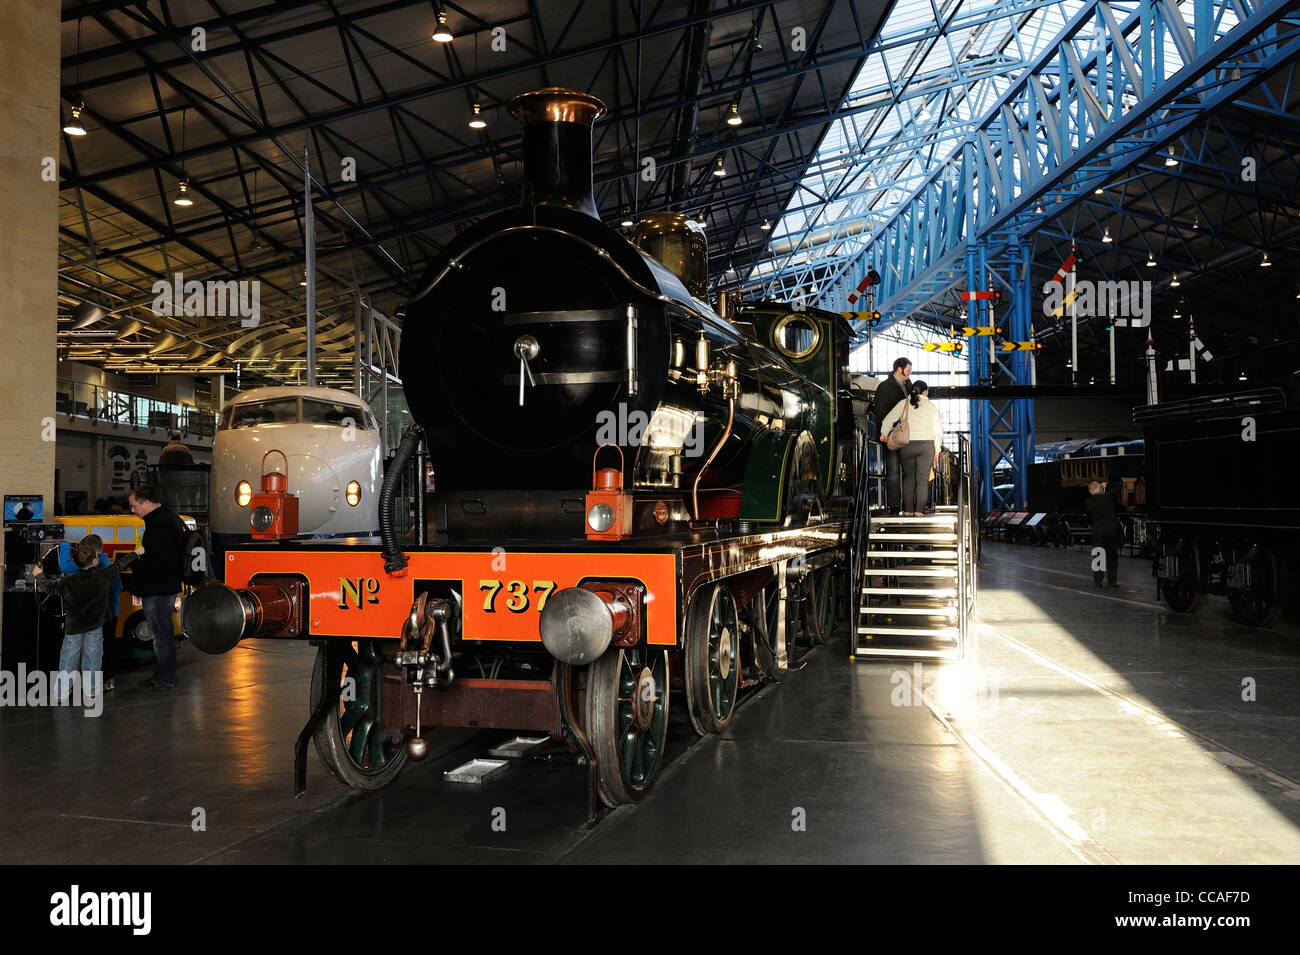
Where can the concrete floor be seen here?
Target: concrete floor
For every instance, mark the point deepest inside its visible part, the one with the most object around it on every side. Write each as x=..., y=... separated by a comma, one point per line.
x=1086, y=726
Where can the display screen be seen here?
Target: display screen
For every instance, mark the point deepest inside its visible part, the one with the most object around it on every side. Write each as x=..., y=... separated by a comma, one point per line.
x=21, y=508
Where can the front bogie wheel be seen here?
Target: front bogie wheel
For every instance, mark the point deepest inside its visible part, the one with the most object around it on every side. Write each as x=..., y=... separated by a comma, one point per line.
x=1183, y=593
x=627, y=720
x=353, y=742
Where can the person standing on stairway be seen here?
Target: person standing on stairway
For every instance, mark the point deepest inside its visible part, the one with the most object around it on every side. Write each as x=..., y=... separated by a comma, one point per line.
x=921, y=454
x=889, y=396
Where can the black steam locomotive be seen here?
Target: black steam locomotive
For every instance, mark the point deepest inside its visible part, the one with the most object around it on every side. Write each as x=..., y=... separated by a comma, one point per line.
x=629, y=491
x=1222, y=501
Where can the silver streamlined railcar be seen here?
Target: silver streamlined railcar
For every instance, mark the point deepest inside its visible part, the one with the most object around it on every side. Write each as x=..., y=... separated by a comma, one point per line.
x=333, y=447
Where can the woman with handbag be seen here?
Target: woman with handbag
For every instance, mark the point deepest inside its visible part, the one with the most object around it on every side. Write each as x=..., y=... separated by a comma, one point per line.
x=916, y=429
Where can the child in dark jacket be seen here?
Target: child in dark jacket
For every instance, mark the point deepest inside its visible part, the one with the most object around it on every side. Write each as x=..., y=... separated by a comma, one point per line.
x=69, y=566
x=86, y=597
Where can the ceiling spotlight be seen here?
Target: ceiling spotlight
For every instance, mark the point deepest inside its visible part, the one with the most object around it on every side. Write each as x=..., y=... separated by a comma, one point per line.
x=1098, y=191
x=1173, y=282
x=1178, y=312
x=1242, y=376
x=719, y=170
x=733, y=115
x=443, y=33
x=1171, y=159
x=1264, y=263
x=1106, y=236
x=73, y=126
x=627, y=222
x=1196, y=224
x=183, y=194
x=476, y=121
x=767, y=227
x=1039, y=210
x=1151, y=261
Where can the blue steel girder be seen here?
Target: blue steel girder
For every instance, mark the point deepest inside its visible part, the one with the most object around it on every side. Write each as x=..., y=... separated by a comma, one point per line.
x=1105, y=92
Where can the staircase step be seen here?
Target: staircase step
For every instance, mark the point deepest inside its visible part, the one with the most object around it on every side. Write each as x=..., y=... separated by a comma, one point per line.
x=913, y=521
x=912, y=571
x=938, y=538
x=913, y=611
x=927, y=554
x=869, y=651
x=945, y=633
x=950, y=592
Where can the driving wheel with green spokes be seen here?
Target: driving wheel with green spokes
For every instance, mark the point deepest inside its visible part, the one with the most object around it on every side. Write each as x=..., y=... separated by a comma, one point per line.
x=353, y=742
x=712, y=658
x=627, y=720
x=823, y=592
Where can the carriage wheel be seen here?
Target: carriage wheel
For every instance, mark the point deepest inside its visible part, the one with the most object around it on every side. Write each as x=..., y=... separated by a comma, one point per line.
x=1183, y=594
x=1259, y=606
x=353, y=742
x=712, y=659
x=627, y=719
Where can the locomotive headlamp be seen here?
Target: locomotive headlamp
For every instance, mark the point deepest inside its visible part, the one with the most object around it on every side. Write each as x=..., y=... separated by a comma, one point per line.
x=600, y=517
x=274, y=513
x=353, y=493
x=609, y=507
x=243, y=493
x=262, y=518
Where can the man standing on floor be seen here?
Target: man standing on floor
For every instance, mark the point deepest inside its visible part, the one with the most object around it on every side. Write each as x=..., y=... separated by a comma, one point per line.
x=156, y=577
x=1103, y=514
x=891, y=391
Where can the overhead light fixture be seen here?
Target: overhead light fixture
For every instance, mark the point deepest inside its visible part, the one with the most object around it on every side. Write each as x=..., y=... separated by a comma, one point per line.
x=1196, y=224
x=476, y=121
x=1264, y=263
x=1039, y=210
x=1171, y=159
x=719, y=170
x=1098, y=191
x=183, y=194
x=73, y=127
x=1178, y=311
x=443, y=33
x=733, y=115
x=1173, y=282
x=1151, y=261
x=1106, y=236
x=627, y=222
x=1242, y=376
x=767, y=227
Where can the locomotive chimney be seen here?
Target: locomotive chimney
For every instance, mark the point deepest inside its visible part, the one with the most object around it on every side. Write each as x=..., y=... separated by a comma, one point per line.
x=557, y=146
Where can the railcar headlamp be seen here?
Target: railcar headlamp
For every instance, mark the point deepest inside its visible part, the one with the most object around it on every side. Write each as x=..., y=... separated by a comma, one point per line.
x=243, y=493
x=353, y=493
x=600, y=517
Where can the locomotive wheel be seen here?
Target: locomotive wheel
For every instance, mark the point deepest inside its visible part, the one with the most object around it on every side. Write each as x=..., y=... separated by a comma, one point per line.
x=822, y=596
x=1183, y=594
x=353, y=743
x=1259, y=606
x=771, y=611
x=712, y=659
x=627, y=720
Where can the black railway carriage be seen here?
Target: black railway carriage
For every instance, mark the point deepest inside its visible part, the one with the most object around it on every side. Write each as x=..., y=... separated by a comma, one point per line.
x=1223, y=502
x=631, y=492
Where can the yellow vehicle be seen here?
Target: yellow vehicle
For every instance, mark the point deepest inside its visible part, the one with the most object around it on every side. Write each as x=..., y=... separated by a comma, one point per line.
x=121, y=532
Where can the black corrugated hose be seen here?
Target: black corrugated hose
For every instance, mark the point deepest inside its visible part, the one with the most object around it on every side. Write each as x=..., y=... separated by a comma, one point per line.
x=394, y=558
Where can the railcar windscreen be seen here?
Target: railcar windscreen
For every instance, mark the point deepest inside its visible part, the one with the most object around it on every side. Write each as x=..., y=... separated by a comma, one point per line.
x=277, y=411
x=316, y=411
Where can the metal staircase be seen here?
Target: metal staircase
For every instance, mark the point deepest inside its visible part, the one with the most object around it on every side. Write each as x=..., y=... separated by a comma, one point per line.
x=916, y=579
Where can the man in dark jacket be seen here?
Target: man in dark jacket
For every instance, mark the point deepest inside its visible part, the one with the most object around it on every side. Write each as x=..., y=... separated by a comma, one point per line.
x=1103, y=514
x=156, y=577
x=891, y=391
